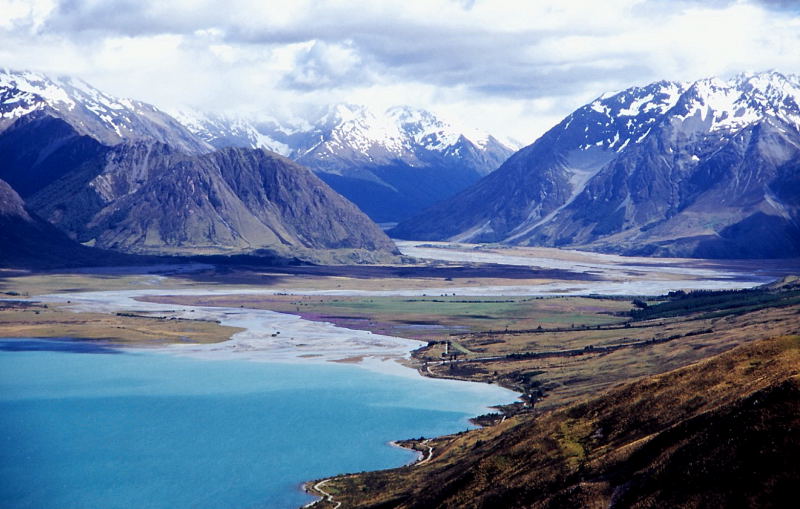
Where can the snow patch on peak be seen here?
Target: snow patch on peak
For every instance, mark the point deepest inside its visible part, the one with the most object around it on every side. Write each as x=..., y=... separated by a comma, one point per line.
x=360, y=128
x=626, y=116
x=657, y=97
x=108, y=119
x=704, y=106
x=766, y=81
x=743, y=100
x=37, y=85
x=409, y=115
x=600, y=107
x=424, y=128
x=340, y=113
x=637, y=105
x=229, y=130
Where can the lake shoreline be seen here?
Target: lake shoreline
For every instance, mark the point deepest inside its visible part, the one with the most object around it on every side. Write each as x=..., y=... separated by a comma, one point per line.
x=246, y=346
x=303, y=338
x=121, y=386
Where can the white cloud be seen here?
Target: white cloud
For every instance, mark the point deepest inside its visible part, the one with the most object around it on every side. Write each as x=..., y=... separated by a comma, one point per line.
x=513, y=67
x=29, y=14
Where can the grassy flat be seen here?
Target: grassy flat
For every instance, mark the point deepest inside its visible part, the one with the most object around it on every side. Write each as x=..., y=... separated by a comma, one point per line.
x=53, y=321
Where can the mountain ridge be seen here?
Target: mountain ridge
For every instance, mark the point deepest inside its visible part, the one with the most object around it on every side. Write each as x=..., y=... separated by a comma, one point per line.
x=389, y=163
x=636, y=172
x=108, y=175
x=27, y=241
x=148, y=198
x=107, y=119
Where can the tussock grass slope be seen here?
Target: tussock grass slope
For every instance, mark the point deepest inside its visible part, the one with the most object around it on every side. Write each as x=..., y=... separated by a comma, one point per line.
x=719, y=433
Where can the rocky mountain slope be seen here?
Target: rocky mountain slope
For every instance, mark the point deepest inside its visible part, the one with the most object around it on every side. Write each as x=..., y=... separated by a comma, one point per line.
x=39, y=148
x=391, y=164
x=709, y=169
x=149, y=198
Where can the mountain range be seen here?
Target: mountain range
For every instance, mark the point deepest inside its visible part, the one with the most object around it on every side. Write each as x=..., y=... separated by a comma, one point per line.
x=704, y=169
x=122, y=175
x=391, y=164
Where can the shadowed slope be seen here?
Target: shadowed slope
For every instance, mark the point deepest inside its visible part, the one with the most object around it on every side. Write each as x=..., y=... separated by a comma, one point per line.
x=27, y=241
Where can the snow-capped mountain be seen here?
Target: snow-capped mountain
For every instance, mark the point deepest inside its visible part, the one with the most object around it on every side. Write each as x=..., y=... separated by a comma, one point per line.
x=121, y=175
x=349, y=134
x=391, y=163
x=109, y=120
x=222, y=131
x=698, y=169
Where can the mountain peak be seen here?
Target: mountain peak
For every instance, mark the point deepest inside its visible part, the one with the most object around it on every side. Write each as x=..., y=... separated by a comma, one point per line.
x=390, y=163
x=707, y=168
x=106, y=118
x=766, y=79
x=346, y=112
x=744, y=100
x=32, y=83
x=409, y=115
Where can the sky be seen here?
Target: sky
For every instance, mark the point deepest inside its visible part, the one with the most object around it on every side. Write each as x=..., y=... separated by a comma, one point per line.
x=512, y=68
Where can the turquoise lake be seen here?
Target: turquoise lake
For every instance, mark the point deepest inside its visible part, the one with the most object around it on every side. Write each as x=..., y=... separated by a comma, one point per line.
x=87, y=427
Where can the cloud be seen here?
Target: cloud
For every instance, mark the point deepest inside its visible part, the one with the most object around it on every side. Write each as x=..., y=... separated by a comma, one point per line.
x=520, y=64
x=789, y=5
x=325, y=66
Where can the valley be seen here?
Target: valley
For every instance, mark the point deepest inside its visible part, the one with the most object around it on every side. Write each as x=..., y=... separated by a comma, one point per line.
x=606, y=312
x=555, y=345
x=552, y=341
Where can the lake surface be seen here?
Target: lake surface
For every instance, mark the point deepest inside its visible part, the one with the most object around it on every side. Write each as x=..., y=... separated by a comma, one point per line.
x=87, y=427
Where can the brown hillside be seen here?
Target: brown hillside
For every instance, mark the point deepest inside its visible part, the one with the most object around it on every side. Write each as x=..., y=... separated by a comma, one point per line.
x=719, y=433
